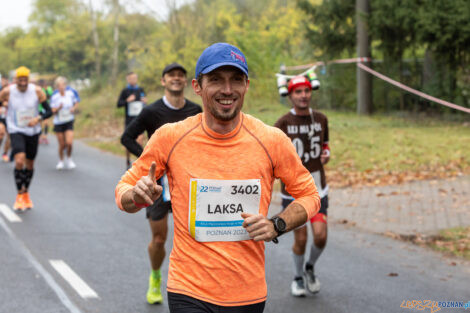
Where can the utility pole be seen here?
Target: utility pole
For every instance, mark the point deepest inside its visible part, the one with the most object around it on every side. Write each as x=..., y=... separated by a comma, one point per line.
x=364, y=80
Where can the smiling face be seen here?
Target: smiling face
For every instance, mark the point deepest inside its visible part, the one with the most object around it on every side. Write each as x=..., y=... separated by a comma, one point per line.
x=300, y=97
x=22, y=83
x=222, y=92
x=174, y=81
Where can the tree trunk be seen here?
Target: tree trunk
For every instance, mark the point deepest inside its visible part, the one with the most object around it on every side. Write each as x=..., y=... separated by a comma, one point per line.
x=364, y=80
x=115, y=55
x=96, y=42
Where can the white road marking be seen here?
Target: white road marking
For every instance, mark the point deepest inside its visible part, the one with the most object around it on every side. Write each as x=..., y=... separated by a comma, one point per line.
x=73, y=279
x=45, y=274
x=9, y=214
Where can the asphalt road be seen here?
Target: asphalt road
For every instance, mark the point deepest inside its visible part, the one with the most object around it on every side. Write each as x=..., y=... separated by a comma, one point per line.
x=76, y=222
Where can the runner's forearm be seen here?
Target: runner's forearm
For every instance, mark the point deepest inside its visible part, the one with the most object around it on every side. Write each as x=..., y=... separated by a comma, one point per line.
x=130, y=135
x=294, y=215
x=122, y=102
x=47, y=110
x=131, y=144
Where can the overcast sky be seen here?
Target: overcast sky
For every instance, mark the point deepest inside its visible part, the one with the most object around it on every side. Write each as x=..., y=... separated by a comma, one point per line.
x=16, y=12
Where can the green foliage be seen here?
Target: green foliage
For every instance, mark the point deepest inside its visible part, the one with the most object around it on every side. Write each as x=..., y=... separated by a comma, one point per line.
x=395, y=24
x=270, y=33
x=445, y=27
x=46, y=13
x=331, y=26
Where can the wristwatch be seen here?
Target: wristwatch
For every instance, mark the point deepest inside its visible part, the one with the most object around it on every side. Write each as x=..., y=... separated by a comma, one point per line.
x=279, y=226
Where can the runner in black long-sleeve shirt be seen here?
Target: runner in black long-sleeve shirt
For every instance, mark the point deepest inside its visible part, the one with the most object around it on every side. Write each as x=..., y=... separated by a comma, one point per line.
x=133, y=100
x=173, y=107
x=152, y=117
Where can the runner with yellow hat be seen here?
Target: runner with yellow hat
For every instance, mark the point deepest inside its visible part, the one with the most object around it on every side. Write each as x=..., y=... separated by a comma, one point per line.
x=23, y=122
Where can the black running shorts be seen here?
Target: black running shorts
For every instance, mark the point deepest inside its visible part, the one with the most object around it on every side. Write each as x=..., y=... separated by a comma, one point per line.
x=61, y=128
x=21, y=143
x=179, y=303
x=158, y=210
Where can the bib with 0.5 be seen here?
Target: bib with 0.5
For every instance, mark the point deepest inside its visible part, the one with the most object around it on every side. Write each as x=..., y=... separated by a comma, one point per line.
x=215, y=208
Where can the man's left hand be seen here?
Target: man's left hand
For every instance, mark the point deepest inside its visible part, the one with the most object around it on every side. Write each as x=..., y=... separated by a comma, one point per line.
x=259, y=227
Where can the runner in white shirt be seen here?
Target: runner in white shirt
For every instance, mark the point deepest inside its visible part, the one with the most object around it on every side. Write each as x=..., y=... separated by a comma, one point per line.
x=23, y=123
x=64, y=103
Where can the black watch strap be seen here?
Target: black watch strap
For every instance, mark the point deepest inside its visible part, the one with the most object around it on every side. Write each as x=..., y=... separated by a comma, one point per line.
x=279, y=226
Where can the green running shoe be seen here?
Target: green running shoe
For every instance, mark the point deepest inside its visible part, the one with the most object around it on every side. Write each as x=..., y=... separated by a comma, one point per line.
x=154, y=294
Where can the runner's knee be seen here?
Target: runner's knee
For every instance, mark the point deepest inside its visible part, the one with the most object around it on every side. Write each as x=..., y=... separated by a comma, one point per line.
x=159, y=236
x=299, y=243
x=320, y=239
x=20, y=160
x=158, y=241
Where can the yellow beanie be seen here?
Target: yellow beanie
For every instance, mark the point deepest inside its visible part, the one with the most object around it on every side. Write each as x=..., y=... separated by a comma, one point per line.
x=22, y=71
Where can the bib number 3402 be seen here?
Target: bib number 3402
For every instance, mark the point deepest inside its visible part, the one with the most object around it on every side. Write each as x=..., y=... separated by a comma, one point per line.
x=248, y=189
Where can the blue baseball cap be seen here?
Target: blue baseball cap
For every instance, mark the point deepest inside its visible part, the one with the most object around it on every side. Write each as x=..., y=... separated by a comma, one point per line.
x=220, y=54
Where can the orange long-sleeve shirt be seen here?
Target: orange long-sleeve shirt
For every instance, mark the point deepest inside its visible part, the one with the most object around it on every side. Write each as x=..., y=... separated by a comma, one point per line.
x=227, y=273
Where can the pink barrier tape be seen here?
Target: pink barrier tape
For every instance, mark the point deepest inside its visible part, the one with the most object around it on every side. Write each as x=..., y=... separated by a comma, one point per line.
x=411, y=90
x=341, y=61
x=302, y=67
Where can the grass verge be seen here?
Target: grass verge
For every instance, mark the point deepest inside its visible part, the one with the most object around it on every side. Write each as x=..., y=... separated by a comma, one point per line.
x=454, y=241
x=451, y=242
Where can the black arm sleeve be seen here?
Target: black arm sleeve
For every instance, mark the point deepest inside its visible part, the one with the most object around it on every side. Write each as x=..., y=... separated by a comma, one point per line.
x=132, y=131
x=122, y=99
x=47, y=112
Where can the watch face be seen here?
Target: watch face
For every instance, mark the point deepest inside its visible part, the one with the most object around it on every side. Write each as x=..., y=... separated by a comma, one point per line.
x=280, y=224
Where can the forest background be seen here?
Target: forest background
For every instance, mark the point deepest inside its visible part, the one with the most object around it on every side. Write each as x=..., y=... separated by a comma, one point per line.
x=424, y=44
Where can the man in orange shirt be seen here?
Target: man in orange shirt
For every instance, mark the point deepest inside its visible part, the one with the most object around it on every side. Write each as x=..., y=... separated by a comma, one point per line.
x=221, y=167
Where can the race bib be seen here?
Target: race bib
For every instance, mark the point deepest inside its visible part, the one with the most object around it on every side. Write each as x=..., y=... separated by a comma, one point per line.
x=134, y=108
x=65, y=115
x=24, y=116
x=215, y=208
x=317, y=178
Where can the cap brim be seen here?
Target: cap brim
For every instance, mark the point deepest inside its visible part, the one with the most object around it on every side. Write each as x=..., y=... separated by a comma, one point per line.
x=174, y=68
x=217, y=65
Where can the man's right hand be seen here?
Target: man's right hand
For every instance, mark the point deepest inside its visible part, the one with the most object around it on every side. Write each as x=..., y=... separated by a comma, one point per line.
x=130, y=98
x=146, y=191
